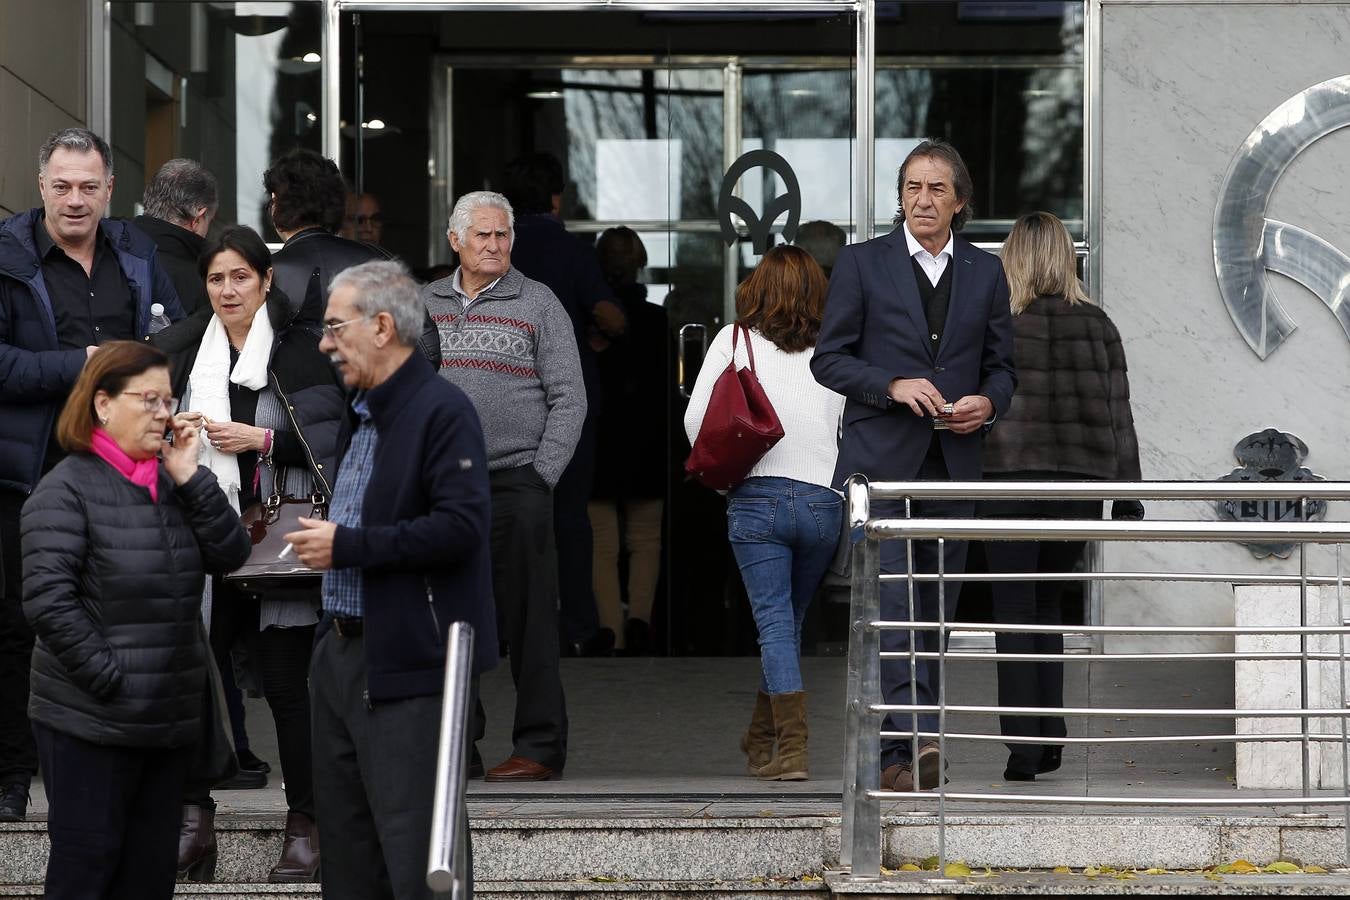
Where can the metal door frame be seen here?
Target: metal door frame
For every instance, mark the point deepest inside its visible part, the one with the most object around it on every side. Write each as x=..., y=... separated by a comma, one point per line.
x=864, y=55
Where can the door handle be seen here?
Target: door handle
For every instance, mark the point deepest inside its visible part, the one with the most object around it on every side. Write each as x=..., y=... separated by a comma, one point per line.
x=689, y=331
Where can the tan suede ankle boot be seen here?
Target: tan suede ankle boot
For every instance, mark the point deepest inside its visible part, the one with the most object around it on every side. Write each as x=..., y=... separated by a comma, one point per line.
x=757, y=742
x=789, y=724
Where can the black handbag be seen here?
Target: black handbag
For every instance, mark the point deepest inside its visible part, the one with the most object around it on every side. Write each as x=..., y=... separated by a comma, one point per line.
x=267, y=523
x=213, y=759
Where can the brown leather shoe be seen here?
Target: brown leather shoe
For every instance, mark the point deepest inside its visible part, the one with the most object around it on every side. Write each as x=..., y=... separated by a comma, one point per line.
x=929, y=765
x=299, y=861
x=899, y=777
x=518, y=768
x=197, y=844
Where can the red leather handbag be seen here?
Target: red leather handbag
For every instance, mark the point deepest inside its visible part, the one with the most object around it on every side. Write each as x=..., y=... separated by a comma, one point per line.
x=739, y=427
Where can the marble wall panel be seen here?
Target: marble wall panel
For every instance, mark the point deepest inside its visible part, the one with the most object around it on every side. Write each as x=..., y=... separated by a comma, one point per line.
x=1183, y=84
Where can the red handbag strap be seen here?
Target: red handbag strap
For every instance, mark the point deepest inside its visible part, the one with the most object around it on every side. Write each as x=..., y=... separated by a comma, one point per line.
x=749, y=350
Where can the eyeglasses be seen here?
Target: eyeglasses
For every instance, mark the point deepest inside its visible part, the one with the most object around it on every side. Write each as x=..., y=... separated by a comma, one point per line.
x=153, y=402
x=362, y=219
x=331, y=328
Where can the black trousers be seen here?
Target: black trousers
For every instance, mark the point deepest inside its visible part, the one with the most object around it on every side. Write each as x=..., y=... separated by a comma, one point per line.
x=18, y=755
x=374, y=776
x=113, y=817
x=281, y=657
x=524, y=584
x=1033, y=603
x=578, y=616
x=898, y=680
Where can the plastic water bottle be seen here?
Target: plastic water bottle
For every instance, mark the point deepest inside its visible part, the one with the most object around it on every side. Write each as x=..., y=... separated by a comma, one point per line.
x=158, y=319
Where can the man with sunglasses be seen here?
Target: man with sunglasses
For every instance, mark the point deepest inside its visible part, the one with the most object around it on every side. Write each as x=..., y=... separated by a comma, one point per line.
x=70, y=280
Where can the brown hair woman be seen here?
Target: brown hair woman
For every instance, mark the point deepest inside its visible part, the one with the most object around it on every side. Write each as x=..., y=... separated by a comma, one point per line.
x=784, y=519
x=117, y=540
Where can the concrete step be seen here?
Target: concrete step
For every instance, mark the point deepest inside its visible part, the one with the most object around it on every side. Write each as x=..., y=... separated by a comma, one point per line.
x=602, y=847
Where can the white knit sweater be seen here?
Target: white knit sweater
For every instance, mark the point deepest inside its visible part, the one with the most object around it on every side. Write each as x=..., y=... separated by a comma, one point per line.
x=809, y=413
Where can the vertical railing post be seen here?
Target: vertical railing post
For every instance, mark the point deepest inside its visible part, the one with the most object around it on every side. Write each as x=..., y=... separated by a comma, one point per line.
x=1340, y=670
x=942, y=706
x=447, y=866
x=1305, y=745
x=866, y=855
x=856, y=510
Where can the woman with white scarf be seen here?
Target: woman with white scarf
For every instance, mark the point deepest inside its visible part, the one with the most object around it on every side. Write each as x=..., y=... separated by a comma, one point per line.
x=272, y=417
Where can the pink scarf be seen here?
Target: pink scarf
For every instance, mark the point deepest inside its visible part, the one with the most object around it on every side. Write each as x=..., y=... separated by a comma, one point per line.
x=144, y=472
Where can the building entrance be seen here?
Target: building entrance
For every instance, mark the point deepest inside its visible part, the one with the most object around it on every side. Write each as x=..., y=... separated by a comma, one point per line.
x=645, y=105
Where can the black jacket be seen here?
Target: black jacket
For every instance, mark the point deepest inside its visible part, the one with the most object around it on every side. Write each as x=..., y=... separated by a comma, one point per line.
x=300, y=376
x=178, y=252
x=1071, y=414
x=36, y=374
x=112, y=589
x=423, y=542
x=306, y=265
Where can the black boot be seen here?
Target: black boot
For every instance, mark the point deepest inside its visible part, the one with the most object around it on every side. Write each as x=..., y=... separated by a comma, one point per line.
x=13, y=803
x=197, y=844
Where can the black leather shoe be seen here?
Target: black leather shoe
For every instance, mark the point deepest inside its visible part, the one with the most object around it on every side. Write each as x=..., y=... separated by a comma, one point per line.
x=599, y=644
x=250, y=762
x=13, y=803
x=244, y=780
x=1051, y=757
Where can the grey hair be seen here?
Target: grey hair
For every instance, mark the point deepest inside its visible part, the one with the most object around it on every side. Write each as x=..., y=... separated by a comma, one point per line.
x=81, y=140
x=462, y=215
x=178, y=190
x=386, y=286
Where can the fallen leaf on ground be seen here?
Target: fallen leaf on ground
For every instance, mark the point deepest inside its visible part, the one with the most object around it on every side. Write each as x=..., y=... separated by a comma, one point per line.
x=1061, y=870
x=956, y=870
x=812, y=878
x=910, y=867
x=1280, y=867
x=1155, y=871
x=1314, y=870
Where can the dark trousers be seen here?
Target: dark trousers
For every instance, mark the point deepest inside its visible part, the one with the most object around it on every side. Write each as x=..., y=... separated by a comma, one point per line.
x=18, y=755
x=1033, y=603
x=578, y=616
x=897, y=677
x=524, y=584
x=281, y=658
x=374, y=777
x=113, y=816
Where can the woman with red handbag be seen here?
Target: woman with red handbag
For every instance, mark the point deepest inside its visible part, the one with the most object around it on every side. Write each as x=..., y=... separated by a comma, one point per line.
x=783, y=519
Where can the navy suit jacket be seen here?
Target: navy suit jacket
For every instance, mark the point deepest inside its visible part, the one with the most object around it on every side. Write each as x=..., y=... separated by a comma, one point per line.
x=875, y=331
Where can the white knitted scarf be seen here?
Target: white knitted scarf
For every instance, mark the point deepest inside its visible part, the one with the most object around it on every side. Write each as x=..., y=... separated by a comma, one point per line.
x=209, y=383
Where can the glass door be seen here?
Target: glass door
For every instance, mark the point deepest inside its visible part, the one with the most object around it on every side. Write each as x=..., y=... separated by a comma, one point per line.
x=646, y=112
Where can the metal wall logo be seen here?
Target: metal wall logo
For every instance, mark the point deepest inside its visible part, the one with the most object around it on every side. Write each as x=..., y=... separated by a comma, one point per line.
x=760, y=224
x=1246, y=243
x=1271, y=455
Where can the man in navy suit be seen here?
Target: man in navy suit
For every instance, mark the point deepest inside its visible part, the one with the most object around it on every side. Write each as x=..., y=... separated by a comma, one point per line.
x=918, y=336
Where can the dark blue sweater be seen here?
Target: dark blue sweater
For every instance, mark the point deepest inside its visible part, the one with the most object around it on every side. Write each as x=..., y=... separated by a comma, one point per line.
x=423, y=541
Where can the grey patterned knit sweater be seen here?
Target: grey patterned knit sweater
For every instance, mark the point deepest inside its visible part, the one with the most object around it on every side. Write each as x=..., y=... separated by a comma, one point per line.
x=515, y=354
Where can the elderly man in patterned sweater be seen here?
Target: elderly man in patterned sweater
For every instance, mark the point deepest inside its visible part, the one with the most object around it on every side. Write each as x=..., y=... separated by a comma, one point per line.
x=508, y=343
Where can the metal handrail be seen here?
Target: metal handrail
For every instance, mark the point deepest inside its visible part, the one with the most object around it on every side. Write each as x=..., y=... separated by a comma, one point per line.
x=449, y=862
x=861, y=821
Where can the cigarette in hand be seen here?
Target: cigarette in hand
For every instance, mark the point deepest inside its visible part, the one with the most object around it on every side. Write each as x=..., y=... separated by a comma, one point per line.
x=286, y=551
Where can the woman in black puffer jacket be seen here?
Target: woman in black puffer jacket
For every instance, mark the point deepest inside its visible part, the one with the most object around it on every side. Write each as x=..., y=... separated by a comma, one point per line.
x=250, y=373
x=1070, y=420
x=115, y=548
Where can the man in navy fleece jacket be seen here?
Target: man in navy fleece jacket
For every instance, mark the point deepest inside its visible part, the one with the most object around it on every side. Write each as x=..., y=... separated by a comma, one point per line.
x=405, y=554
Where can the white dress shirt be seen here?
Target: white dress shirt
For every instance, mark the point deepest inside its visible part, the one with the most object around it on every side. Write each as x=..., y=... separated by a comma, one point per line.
x=933, y=266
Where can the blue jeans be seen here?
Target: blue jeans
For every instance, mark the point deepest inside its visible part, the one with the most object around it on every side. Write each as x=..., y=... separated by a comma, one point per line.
x=783, y=533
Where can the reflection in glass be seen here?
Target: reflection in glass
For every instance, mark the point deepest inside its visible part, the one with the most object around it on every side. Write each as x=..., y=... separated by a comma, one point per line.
x=1009, y=98
x=232, y=84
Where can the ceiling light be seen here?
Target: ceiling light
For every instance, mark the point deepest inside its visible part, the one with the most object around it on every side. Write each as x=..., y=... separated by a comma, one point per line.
x=374, y=124
x=545, y=95
x=311, y=57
